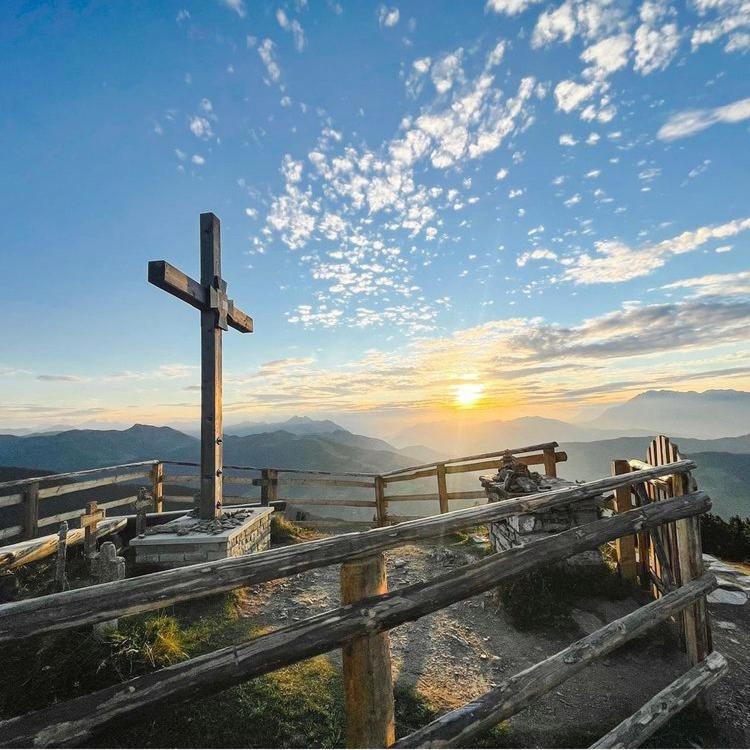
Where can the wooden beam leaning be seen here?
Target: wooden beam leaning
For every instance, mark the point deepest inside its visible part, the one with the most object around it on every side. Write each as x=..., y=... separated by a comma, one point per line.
x=636, y=729
x=14, y=555
x=156, y=590
x=76, y=720
x=462, y=725
x=366, y=662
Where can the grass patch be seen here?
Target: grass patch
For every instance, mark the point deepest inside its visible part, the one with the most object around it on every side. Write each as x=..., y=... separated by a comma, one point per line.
x=284, y=531
x=299, y=706
x=544, y=597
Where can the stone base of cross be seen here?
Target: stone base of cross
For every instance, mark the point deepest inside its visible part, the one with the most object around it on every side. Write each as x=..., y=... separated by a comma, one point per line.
x=218, y=314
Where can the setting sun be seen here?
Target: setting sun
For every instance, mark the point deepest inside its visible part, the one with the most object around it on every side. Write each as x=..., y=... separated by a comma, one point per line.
x=468, y=394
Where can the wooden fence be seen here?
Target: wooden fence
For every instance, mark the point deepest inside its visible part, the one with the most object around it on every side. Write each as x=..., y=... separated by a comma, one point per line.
x=29, y=493
x=368, y=611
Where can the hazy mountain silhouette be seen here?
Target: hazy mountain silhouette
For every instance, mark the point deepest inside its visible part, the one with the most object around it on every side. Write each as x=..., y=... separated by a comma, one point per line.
x=83, y=449
x=710, y=414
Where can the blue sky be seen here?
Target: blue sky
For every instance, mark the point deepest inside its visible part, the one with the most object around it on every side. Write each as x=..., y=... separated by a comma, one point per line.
x=504, y=208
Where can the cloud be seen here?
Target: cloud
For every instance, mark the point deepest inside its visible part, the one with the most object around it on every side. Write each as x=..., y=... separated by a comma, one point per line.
x=539, y=254
x=388, y=17
x=509, y=7
x=656, y=41
x=200, y=127
x=266, y=50
x=689, y=123
x=60, y=378
x=292, y=26
x=238, y=6
x=522, y=360
x=715, y=285
x=608, y=55
x=615, y=262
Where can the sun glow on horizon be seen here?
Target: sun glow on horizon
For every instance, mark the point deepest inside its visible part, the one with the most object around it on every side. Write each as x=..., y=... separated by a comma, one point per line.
x=468, y=394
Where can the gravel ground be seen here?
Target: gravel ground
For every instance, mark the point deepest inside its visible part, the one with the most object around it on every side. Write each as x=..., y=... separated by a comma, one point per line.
x=458, y=653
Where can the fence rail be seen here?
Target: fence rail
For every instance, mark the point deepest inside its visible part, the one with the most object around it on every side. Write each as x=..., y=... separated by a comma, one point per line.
x=76, y=720
x=360, y=627
x=32, y=491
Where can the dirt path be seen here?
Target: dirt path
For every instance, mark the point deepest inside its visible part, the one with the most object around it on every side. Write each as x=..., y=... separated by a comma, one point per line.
x=458, y=653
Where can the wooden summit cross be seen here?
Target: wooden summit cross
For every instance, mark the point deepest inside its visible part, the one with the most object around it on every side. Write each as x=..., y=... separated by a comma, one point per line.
x=217, y=314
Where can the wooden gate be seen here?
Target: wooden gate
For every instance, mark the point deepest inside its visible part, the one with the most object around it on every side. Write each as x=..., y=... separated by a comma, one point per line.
x=664, y=558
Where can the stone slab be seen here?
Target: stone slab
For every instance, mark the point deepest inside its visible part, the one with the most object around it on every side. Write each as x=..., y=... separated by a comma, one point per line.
x=170, y=550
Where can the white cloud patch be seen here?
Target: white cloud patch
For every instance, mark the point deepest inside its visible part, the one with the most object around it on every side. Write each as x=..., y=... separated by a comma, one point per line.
x=238, y=6
x=266, y=50
x=388, y=17
x=693, y=121
x=616, y=262
x=293, y=26
x=509, y=7
x=715, y=285
x=657, y=39
x=538, y=254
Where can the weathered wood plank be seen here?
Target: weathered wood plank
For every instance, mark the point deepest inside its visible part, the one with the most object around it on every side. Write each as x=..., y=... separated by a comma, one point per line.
x=80, y=512
x=442, y=488
x=31, y=510
x=10, y=531
x=366, y=662
x=14, y=483
x=476, y=457
x=534, y=460
x=381, y=502
x=76, y=720
x=64, y=489
x=7, y=500
x=331, y=502
x=157, y=486
x=427, y=496
x=654, y=714
x=460, y=726
x=468, y=495
x=14, y=555
x=156, y=590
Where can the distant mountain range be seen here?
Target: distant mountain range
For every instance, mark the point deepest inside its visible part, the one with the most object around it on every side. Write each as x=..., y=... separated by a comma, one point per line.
x=72, y=450
x=710, y=414
x=304, y=443
x=454, y=437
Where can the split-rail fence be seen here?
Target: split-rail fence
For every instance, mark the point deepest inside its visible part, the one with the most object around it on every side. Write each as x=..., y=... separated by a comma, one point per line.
x=368, y=611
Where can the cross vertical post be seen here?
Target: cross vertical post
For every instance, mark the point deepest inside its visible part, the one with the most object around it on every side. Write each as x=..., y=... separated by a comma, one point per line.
x=211, y=374
x=218, y=313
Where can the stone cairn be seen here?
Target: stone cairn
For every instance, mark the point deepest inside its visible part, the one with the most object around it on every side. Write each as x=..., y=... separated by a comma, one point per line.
x=514, y=479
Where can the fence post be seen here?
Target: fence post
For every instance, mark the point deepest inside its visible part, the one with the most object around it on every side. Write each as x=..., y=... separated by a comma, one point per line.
x=442, y=488
x=696, y=625
x=368, y=682
x=31, y=504
x=61, y=580
x=265, y=486
x=273, y=487
x=550, y=463
x=381, y=504
x=625, y=546
x=157, y=480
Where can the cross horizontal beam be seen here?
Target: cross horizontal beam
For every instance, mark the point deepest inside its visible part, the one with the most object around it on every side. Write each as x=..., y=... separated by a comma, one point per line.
x=172, y=280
